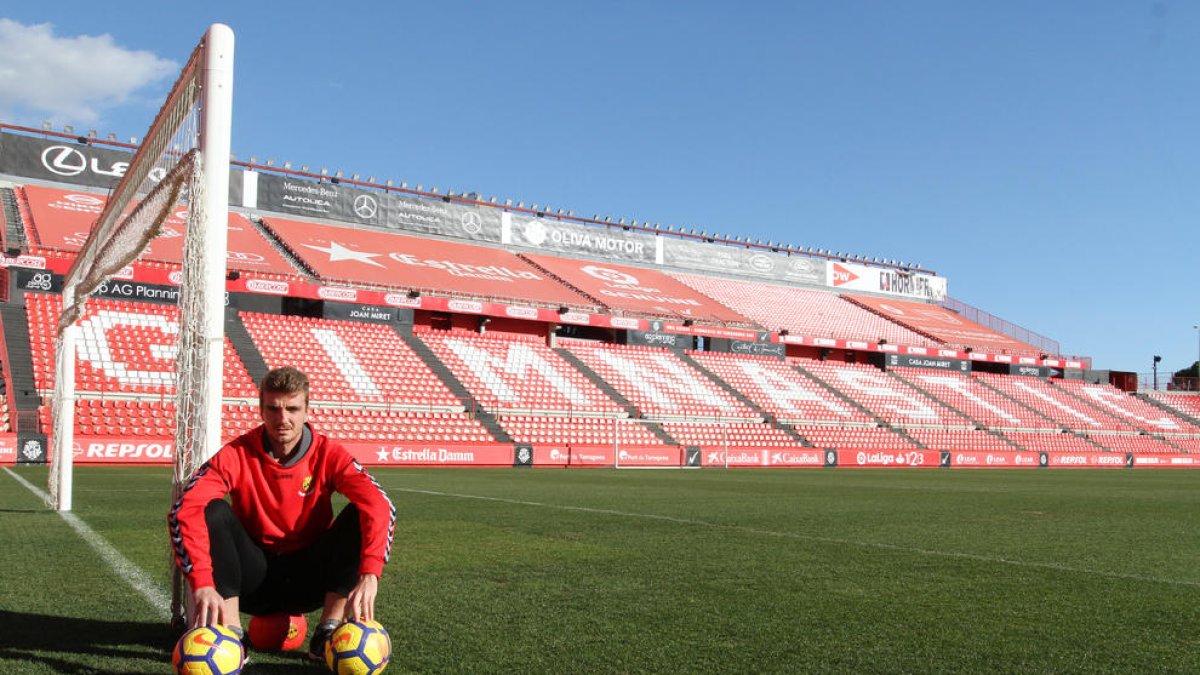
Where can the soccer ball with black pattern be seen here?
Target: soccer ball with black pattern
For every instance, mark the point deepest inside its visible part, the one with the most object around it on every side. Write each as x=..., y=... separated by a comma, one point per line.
x=358, y=648
x=208, y=650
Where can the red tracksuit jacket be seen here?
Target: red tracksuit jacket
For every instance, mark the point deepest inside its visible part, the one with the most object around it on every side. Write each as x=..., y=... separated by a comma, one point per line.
x=283, y=509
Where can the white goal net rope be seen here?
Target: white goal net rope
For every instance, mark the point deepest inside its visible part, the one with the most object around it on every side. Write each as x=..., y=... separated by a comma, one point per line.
x=165, y=172
x=178, y=178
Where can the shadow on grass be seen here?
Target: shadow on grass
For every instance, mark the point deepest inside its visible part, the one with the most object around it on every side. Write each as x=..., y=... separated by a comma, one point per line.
x=74, y=645
x=64, y=644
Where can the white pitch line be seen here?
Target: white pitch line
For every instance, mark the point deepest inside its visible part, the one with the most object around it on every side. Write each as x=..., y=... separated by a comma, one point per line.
x=133, y=575
x=1057, y=567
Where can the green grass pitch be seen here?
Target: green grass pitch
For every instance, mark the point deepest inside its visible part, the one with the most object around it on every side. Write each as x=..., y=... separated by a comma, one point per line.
x=708, y=571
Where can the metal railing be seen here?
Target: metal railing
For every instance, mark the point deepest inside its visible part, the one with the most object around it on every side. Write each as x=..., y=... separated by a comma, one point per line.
x=1167, y=382
x=1012, y=330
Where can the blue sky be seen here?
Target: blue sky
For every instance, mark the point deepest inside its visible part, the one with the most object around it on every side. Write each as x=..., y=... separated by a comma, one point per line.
x=1043, y=156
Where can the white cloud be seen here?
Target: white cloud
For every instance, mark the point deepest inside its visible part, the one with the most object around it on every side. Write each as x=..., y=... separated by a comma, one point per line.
x=69, y=79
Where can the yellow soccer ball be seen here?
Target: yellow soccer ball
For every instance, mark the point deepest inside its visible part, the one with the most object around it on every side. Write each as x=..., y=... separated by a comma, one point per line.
x=208, y=650
x=358, y=648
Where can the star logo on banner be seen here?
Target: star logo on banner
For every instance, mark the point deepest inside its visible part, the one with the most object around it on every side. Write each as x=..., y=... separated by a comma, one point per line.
x=381, y=455
x=338, y=253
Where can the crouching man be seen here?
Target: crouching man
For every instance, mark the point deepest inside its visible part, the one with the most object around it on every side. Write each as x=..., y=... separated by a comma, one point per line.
x=275, y=546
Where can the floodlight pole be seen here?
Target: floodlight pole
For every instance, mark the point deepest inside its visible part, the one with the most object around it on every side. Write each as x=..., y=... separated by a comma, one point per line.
x=1197, y=327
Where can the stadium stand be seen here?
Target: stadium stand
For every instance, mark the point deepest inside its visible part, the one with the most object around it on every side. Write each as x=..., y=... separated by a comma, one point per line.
x=960, y=439
x=635, y=291
x=780, y=390
x=458, y=383
x=985, y=406
x=1139, y=413
x=516, y=373
x=141, y=418
x=659, y=383
x=59, y=220
x=1187, y=405
x=368, y=258
x=350, y=362
x=889, y=398
x=1045, y=441
x=125, y=348
x=943, y=325
x=577, y=431
x=1066, y=411
x=854, y=438
x=1185, y=443
x=731, y=435
x=803, y=312
x=1131, y=443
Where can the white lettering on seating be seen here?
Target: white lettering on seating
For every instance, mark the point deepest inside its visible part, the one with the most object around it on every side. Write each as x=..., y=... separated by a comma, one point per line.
x=1057, y=404
x=347, y=364
x=875, y=386
x=668, y=373
x=1112, y=400
x=786, y=394
x=518, y=361
x=94, y=347
x=962, y=386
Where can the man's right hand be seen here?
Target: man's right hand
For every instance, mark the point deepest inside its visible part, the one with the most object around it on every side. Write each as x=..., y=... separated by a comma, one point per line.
x=210, y=607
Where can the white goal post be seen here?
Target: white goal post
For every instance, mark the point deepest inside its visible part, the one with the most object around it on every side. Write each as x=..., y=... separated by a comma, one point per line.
x=184, y=158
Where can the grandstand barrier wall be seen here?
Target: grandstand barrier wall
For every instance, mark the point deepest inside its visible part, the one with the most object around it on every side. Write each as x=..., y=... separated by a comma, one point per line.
x=118, y=451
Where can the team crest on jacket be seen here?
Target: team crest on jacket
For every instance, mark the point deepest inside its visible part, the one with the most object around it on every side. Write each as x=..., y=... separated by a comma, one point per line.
x=306, y=486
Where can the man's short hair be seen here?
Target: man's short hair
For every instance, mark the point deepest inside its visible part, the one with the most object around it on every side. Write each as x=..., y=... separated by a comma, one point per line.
x=285, y=380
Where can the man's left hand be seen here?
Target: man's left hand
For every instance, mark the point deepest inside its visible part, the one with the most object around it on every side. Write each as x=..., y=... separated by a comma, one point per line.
x=360, y=604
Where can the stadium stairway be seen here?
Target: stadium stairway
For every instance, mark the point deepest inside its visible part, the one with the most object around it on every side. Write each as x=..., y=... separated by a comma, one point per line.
x=1024, y=405
x=1091, y=406
x=243, y=344
x=14, y=230
x=615, y=395
x=598, y=302
x=284, y=251
x=849, y=297
x=770, y=419
x=486, y=417
x=912, y=385
x=855, y=404
x=978, y=424
x=19, y=359
x=1166, y=408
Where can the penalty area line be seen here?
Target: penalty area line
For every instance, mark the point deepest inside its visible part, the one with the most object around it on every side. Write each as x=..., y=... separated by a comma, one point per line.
x=130, y=573
x=1057, y=567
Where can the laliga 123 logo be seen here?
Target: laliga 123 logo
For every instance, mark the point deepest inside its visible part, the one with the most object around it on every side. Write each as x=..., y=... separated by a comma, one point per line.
x=524, y=455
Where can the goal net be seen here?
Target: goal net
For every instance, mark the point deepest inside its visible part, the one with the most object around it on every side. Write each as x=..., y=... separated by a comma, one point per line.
x=183, y=160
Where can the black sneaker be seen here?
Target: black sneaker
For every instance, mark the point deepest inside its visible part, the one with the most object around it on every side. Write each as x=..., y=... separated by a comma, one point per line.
x=320, y=637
